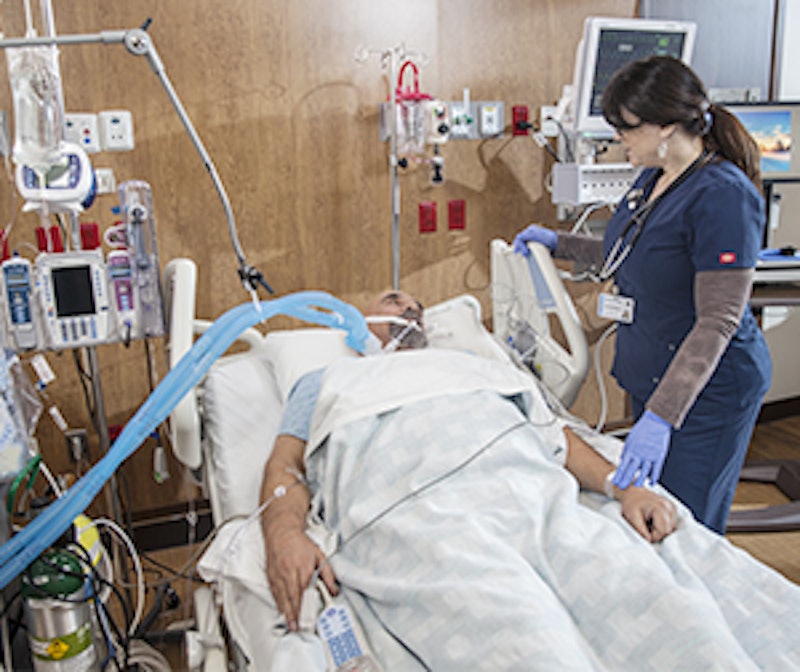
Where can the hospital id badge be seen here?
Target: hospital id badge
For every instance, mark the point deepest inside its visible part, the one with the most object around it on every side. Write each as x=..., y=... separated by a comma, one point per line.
x=616, y=307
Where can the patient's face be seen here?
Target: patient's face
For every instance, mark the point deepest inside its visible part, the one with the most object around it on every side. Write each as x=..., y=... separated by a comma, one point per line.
x=399, y=304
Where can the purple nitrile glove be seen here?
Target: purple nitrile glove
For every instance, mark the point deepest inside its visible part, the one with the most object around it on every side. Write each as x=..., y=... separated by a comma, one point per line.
x=534, y=234
x=644, y=452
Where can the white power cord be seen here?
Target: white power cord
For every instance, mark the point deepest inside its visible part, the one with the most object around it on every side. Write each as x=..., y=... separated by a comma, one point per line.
x=137, y=565
x=599, y=374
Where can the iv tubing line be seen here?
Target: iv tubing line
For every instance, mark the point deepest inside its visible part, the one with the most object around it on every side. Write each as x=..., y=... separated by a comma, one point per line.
x=393, y=173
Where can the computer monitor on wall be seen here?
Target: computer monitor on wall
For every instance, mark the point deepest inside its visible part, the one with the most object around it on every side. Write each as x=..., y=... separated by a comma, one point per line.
x=610, y=43
x=776, y=129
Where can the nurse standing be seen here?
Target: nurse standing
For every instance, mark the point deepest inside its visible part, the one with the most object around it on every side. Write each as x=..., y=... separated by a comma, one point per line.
x=681, y=247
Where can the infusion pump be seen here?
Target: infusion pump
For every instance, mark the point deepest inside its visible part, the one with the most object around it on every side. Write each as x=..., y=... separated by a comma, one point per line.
x=69, y=300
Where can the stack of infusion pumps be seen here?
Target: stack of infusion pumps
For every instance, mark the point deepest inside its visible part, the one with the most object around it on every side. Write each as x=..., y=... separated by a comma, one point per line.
x=80, y=298
x=75, y=299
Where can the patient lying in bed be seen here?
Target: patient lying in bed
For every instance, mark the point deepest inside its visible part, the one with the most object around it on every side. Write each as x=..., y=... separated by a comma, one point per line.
x=435, y=482
x=292, y=558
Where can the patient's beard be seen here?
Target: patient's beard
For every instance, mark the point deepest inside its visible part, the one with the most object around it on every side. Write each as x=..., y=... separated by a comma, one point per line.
x=413, y=339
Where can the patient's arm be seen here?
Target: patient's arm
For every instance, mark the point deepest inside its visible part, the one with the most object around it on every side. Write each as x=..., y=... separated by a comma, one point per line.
x=291, y=556
x=650, y=514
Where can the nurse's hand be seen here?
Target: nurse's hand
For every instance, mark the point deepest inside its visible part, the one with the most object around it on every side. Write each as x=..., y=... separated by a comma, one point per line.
x=644, y=452
x=535, y=234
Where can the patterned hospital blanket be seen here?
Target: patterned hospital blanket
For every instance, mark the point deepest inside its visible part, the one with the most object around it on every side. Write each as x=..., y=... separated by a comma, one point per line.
x=462, y=545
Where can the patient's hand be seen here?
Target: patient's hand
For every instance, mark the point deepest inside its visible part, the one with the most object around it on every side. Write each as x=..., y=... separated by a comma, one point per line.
x=292, y=559
x=650, y=514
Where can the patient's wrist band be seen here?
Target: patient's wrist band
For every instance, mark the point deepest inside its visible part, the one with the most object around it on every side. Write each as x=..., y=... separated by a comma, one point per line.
x=608, y=485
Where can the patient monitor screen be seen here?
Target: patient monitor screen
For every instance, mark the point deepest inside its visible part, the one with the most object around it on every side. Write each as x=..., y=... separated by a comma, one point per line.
x=72, y=288
x=617, y=47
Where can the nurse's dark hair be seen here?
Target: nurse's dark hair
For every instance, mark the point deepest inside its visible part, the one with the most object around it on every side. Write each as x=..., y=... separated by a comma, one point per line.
x=663, y=90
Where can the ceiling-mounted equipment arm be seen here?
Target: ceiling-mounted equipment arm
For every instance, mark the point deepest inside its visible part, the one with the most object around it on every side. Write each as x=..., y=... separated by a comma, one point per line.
x=139, y=43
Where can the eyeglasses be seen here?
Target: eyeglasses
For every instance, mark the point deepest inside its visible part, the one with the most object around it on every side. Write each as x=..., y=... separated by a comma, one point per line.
x=623, y=127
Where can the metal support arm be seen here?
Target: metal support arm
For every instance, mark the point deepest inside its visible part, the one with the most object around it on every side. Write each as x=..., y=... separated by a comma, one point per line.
x=138, y=42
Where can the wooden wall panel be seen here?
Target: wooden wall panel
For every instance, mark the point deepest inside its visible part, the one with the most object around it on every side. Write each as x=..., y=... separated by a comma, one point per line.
x=290, y=118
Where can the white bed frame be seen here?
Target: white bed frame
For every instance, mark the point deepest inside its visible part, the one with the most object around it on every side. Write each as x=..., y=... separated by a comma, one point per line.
x=445, y=321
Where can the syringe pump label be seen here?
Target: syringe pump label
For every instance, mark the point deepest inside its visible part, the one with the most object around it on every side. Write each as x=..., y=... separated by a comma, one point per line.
x=123, y=290
x=18, y=287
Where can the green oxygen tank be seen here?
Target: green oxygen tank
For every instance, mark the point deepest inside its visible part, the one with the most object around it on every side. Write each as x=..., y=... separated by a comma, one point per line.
x=58, y=614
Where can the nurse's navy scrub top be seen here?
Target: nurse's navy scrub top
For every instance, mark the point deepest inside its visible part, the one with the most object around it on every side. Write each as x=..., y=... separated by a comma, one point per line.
x=713, y=220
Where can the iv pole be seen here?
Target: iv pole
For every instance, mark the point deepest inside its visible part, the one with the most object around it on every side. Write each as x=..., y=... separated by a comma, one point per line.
x=138, y=42
x=393, y=57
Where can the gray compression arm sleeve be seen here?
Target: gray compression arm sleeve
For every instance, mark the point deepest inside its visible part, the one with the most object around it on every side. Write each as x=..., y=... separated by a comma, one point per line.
x=583, y=249
x=720, y=301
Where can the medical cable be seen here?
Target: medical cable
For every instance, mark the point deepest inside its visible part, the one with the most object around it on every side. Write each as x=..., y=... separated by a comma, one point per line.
x=588, y=210
x=418, y=491
x=126, y=649
x=411, y=495
x=278, y=493
x=565, y=137
x=525, y=357
x=540, y=139
x=110, y=524
x=601, y=421
x=4, y=636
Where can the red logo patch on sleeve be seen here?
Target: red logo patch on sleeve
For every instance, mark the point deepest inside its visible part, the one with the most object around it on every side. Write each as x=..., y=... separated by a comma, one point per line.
x=727, y=257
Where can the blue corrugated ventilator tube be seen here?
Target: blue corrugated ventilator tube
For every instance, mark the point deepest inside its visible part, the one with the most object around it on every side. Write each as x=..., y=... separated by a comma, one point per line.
x=23, y=548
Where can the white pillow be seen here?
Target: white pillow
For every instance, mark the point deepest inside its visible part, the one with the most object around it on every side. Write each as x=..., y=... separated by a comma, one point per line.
x=242, y=410
x=295, y=352
x=456, y=324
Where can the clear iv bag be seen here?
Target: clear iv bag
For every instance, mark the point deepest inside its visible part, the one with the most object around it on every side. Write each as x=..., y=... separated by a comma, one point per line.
x=20, y=409
x=38, y=106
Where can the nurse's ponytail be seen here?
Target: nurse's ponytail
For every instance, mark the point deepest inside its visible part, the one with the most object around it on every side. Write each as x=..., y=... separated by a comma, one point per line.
x=728, y=137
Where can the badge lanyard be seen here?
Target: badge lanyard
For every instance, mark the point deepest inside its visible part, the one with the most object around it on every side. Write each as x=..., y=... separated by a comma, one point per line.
x=617, y=254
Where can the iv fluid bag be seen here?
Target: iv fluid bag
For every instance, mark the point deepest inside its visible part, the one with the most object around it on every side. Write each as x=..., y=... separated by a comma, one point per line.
x=38, y=106
x=410, y=128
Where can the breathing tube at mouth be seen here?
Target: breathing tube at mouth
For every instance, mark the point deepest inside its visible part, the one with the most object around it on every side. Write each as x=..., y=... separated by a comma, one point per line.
x=405, y=332
x=23, y=548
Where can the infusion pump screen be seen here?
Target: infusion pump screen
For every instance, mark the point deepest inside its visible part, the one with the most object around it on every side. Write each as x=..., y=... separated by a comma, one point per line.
x=73, y=291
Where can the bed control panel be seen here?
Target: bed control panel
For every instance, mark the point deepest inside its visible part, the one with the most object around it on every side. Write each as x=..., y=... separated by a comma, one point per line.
x=335, y=626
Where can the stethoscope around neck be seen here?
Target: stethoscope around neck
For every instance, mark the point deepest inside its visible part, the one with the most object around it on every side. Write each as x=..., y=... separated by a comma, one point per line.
x=620, y=249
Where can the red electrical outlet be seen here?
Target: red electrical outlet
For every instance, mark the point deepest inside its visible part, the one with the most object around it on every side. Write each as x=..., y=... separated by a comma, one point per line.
x=456, y=216
x=519, y=119
x=427, y=217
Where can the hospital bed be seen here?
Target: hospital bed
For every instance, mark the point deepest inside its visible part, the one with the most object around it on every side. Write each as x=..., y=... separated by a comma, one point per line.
x=224, y=431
